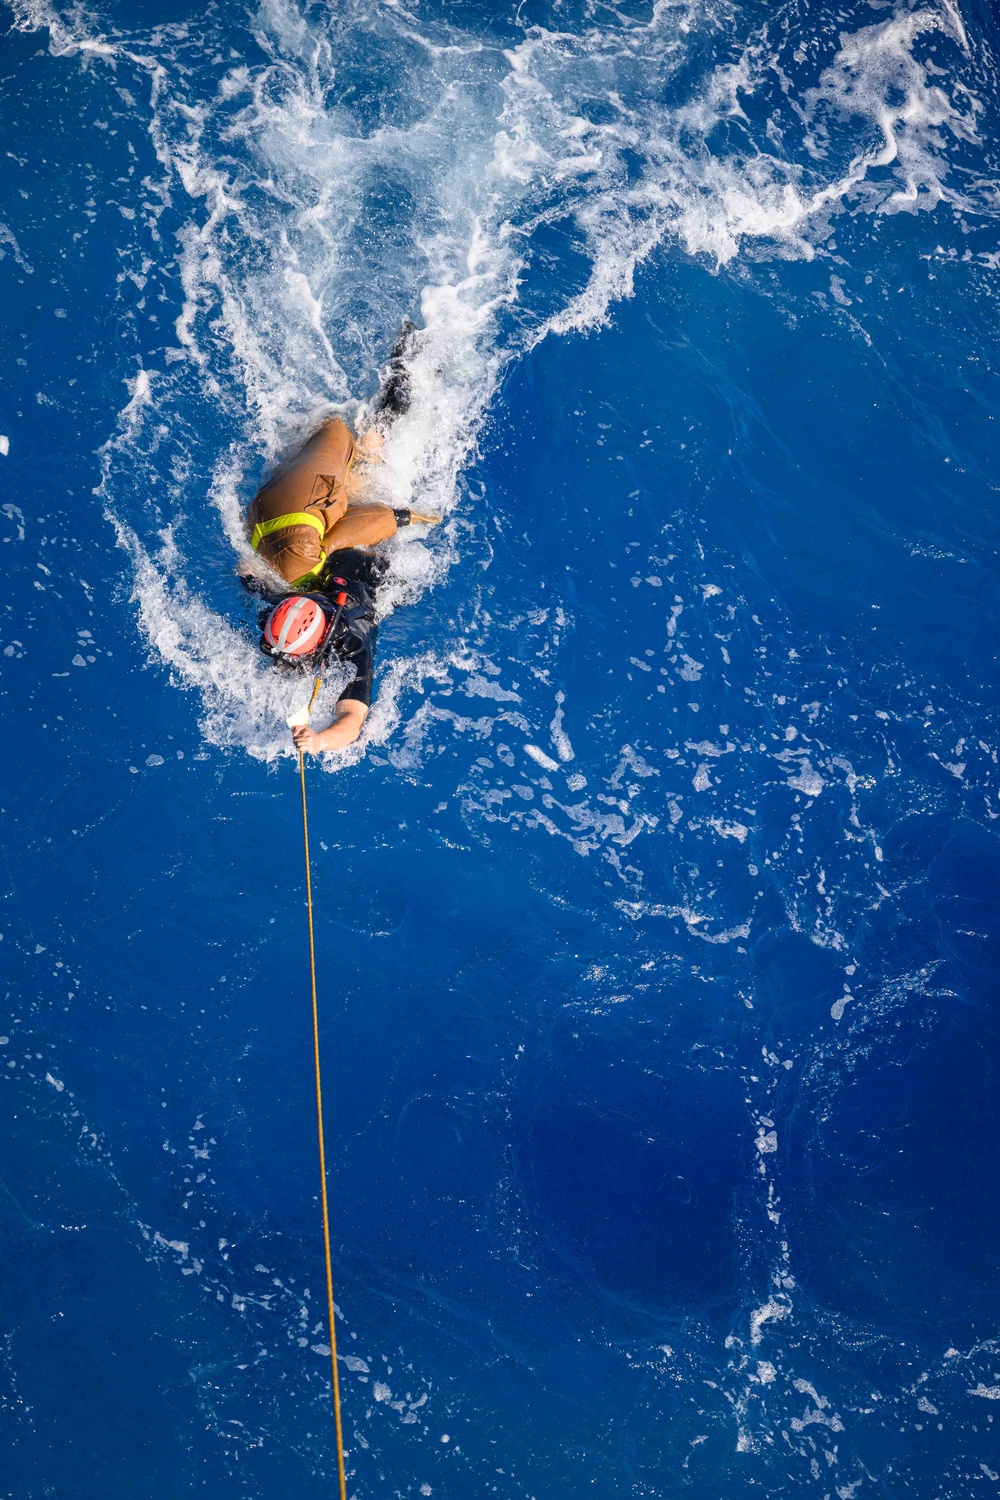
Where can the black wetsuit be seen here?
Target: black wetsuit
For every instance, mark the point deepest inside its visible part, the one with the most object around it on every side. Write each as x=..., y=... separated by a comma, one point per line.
x=352, y=640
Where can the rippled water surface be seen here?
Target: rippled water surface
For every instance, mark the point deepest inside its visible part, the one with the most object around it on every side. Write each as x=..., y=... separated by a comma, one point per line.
x=659, y=923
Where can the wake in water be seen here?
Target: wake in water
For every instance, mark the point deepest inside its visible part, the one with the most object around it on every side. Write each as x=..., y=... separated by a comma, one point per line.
x=312, y=204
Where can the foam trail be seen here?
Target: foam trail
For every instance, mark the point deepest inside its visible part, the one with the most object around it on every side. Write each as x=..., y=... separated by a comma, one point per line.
x=311, y=225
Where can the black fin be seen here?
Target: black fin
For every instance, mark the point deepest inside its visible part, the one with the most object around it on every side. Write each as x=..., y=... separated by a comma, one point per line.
x=393, y=398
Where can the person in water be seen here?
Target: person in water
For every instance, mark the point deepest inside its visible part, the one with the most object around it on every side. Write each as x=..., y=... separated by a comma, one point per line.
x=307, y=524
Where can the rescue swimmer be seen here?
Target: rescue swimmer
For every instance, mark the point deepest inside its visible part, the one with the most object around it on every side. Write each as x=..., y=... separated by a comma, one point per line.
x=317, y=536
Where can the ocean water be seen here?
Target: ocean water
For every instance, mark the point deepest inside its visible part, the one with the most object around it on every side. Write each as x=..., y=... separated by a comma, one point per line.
x=659, y=905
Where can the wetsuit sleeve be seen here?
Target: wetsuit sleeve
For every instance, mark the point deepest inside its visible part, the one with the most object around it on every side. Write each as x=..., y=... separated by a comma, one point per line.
x=253, y=585
x=360, y=690
x=362, y=658
x=261, y=590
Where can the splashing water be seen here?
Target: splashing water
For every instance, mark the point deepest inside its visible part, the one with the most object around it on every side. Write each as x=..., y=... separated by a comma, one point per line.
x=508, y=192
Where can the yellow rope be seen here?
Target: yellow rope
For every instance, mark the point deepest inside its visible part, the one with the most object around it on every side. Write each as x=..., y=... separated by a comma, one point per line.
x=331, y=1316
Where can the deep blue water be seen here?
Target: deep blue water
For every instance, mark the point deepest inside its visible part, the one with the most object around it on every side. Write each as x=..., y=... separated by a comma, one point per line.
x=660, y=906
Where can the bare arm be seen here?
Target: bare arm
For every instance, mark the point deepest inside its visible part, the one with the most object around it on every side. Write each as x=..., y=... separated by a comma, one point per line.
x=343, y=731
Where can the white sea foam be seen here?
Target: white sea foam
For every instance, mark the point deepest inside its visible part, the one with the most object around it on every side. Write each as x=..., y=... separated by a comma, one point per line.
x=771, y=1312
x=726, y=830
x=540, y=757
x=310, y=227
x=694, y=921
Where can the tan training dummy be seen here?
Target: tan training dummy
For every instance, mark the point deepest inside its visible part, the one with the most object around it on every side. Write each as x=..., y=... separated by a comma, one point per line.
x=305, y=512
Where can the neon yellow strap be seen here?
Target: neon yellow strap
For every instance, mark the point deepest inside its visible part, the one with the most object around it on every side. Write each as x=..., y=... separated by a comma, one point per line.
x=305, y=578
x=277, y=523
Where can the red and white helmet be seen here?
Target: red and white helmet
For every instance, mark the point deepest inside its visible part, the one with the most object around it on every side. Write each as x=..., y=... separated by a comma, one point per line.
x=295, y=627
